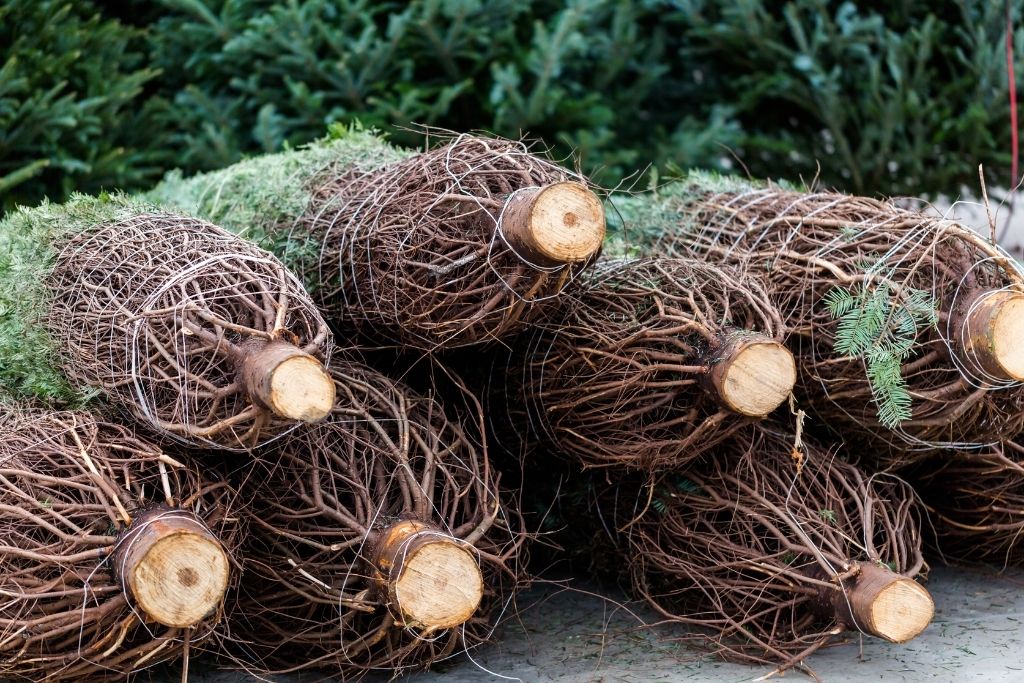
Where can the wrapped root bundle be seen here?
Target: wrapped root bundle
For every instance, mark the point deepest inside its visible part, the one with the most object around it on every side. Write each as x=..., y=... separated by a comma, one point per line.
x=772, y=552
x=906, y=326
x=115, y=556
x=196, y=333
x=458, y=245
x=653, y=362
x=976, y=504
x=380, y=540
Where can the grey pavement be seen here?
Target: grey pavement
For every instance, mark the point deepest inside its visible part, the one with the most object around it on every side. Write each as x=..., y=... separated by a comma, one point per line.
x=574, y=636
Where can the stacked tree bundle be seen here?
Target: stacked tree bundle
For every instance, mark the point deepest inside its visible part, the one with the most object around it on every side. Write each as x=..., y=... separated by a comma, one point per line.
x=976, y=503
x=906, y=327
x=654, y=362
x=195, y=333
x=771, y=551
x=381, y=539
x=464, y=244
x=368, y=528
x=661, y=371
x=116, y=556
x=291, y=507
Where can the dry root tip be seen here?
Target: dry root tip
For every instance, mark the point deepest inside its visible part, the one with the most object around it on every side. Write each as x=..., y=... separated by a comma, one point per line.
x=752, y=374
x=174, y=570
x=559, y=223
x=289, y=383
x=433, y=581
x=993, y=334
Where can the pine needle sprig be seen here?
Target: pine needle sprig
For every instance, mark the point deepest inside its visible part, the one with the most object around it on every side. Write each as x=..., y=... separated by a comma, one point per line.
x=882, y=332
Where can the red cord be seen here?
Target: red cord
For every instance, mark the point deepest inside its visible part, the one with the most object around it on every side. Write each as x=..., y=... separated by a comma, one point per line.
x=1013, y=94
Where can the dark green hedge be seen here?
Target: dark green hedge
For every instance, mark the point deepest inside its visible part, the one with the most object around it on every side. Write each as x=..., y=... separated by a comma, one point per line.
x=70, y=85
x=886, y=97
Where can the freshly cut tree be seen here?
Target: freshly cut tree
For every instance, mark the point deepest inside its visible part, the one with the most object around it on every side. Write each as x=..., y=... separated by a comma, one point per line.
x=115, y=556
x=975, y=501
x=462, y=244
x=380, y=539
x=906, y=326
x=194, y=332
x=652, y=362
x=773, y=549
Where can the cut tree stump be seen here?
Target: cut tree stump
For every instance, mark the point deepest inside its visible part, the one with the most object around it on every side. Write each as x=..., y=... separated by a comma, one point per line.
x=881, y=603
x=560, y=223
x=432, y=581
x=288, y=382
x=173, y=568
x=992, y=334
x=752, y=374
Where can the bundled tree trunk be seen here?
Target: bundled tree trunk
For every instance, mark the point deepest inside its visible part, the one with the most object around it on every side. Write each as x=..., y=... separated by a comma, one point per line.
x=906, y=326
x=653, y=362
x=381, y=539
x=463, y=244
x=115, y=556
x=975, y=502
x=770, y=551
x=196, y=333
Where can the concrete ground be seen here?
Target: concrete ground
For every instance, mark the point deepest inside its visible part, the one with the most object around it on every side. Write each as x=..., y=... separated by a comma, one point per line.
x=572, y=636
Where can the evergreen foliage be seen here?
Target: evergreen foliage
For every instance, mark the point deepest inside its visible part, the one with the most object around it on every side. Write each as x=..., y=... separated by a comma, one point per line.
x=259, y=198
x=69, y=84
x=637, y=220
x=891, y=98
x=29, y=244
x=883, y=334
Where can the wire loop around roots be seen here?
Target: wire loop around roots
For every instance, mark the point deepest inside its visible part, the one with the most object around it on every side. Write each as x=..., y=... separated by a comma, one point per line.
x=67, y=482
x=810, y=244
x=619, y=379
x=159, y=310
x=755, y=558
x=385, y=457
x=415, y=253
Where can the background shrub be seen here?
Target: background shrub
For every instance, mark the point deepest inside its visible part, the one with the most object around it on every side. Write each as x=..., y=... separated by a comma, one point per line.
x=875, y=97
x=70, y=82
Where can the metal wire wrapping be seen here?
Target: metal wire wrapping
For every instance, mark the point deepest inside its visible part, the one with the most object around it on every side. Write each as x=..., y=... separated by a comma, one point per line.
x=976, y=502
x=616, y=379
x=70, y=486
x=384, y=455
x=805, y=244
x=157, y=310
x=739, y=546
x=414, y=253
